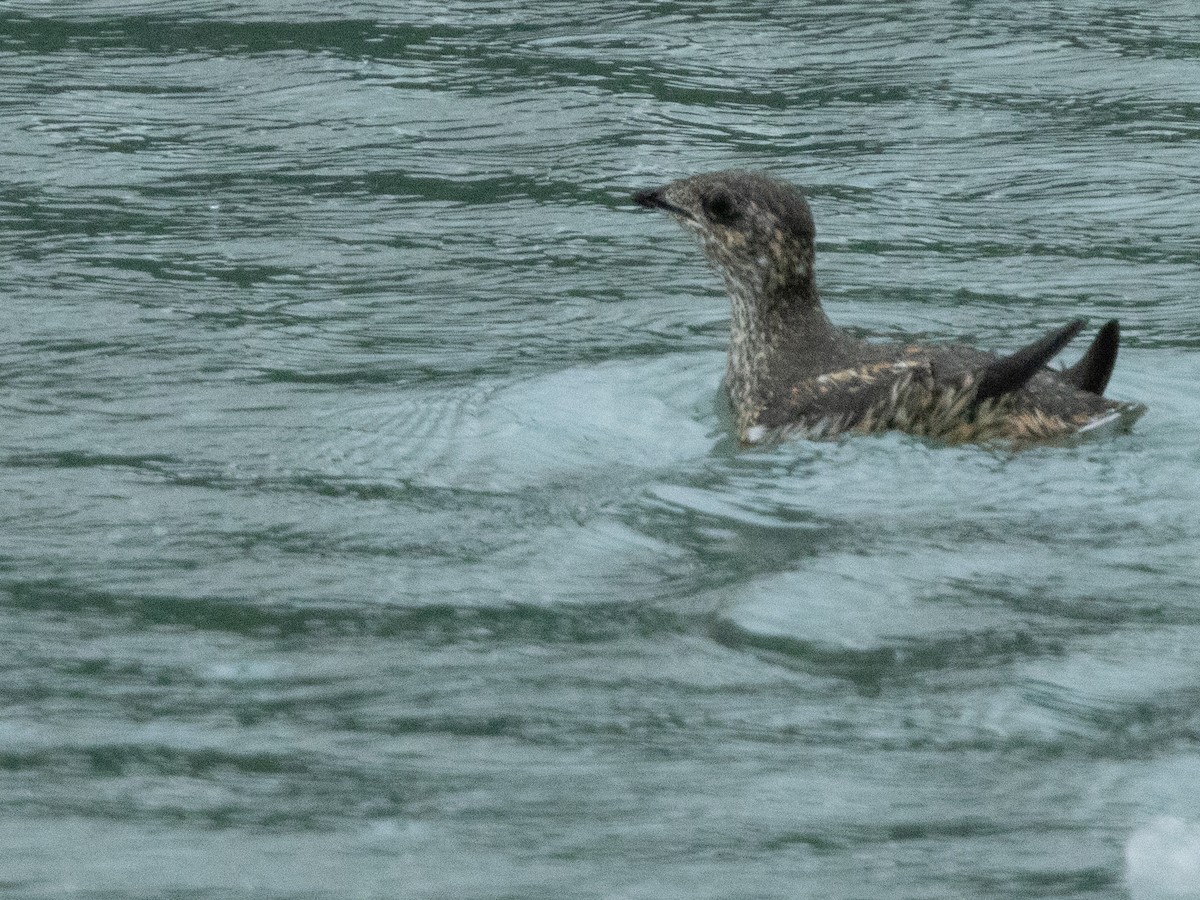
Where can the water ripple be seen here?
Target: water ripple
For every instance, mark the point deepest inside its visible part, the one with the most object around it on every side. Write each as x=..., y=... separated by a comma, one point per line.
x=369, y=494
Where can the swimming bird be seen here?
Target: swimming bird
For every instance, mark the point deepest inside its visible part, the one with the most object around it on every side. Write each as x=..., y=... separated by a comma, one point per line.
x=790, y=371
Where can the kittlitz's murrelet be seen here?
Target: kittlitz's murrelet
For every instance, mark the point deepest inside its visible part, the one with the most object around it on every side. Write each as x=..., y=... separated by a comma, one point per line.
x=790, y=371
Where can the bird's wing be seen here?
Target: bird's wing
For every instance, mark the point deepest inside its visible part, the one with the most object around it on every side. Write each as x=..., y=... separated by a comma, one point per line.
x=1011, y=373
x=1092, y=372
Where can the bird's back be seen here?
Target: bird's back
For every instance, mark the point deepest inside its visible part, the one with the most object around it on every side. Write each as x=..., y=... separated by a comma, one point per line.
x=932, y=391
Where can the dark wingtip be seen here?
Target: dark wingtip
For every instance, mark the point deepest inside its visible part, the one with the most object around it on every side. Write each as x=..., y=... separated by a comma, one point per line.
x=1012, y=372
x=1092, y=372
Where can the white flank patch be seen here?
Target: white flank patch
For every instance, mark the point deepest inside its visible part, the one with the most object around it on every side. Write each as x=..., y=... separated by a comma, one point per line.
x=1109, y=419
x=755, y=434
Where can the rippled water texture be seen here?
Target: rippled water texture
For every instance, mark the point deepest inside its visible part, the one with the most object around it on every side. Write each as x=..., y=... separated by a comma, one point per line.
x=370, y=525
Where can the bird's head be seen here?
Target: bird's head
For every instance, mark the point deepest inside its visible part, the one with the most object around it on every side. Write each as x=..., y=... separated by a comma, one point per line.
x=756, y=230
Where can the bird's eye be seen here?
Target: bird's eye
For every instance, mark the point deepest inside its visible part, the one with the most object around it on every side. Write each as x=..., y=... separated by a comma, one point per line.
x=721, y=208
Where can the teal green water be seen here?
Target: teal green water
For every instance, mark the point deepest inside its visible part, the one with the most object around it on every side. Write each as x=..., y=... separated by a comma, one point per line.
x=369, y=525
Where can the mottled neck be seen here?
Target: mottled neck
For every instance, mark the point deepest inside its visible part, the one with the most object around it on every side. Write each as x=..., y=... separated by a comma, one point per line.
x=776, y=336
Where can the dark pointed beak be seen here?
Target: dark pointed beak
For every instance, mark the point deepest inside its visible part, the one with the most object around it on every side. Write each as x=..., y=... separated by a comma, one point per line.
x=651, y=199
x=655, y=199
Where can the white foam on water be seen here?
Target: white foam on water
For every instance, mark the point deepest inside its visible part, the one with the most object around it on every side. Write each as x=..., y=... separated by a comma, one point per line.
x=1162, y=860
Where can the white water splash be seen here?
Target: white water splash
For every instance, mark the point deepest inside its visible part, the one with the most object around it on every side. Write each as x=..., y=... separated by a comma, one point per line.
x=1162, y=860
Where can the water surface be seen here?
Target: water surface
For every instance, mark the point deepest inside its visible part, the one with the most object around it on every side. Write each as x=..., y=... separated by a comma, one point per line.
x=370, y=522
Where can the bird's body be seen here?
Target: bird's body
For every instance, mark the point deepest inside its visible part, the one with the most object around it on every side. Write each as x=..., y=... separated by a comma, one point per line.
x=790, y=371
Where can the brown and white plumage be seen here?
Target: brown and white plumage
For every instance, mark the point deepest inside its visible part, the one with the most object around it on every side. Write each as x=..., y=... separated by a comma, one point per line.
x=790, y=371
